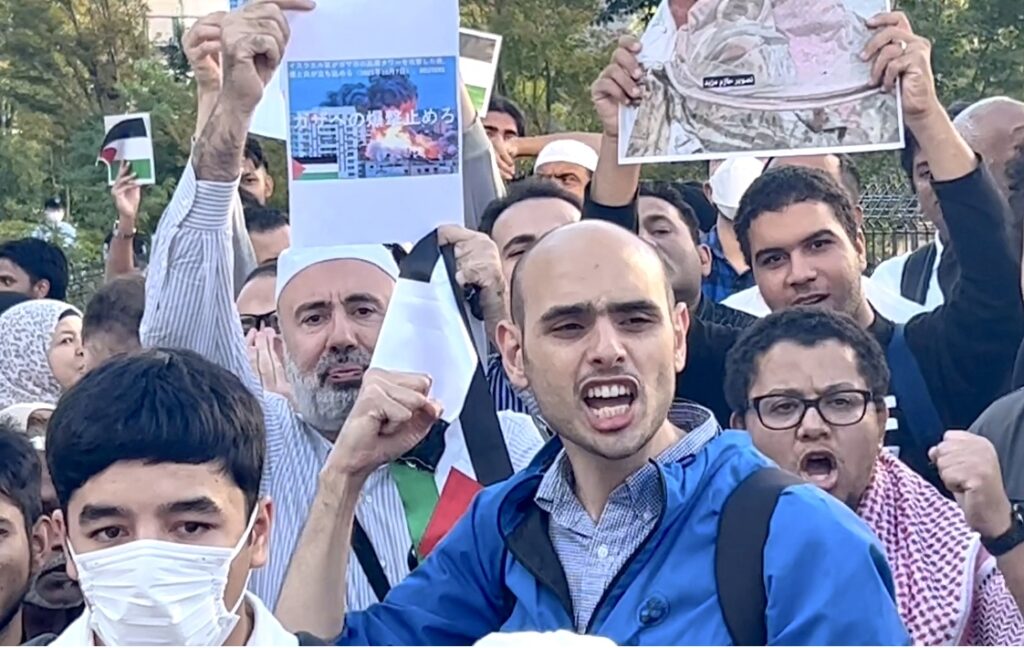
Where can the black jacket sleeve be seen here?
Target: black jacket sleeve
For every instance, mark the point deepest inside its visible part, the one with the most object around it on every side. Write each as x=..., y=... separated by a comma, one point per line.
x=966, y=348
x=626, y=216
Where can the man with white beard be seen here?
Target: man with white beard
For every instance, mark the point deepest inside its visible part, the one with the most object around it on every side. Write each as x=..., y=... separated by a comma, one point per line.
x=330, y=306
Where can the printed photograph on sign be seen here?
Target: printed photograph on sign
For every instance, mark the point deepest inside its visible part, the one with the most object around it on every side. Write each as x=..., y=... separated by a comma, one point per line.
x=759, y=78
x=128, y=138
x=478, y=64
x=377, y=118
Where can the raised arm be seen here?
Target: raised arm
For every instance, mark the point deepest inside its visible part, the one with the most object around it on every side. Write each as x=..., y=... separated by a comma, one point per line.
x=481, y=180
x=965, y=371
x=391, y=415
x=127, y=196
x=189, y=293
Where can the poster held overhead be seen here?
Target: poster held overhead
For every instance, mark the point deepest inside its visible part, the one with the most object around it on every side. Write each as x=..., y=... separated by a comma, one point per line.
x=478, y=64
x=128, y=138
x=782, y=77
x=375, y=135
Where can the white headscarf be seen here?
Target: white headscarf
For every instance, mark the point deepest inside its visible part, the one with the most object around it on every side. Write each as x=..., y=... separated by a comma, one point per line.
x=26, y=330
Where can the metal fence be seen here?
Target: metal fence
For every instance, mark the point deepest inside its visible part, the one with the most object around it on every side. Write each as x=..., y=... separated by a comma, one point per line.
x=892, y=223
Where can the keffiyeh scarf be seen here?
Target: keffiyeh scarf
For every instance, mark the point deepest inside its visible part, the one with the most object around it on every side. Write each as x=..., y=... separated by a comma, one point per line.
x=25, y=334
x=947, y=587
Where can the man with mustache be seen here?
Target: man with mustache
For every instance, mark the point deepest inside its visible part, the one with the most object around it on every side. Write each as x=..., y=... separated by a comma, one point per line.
x=330, y=306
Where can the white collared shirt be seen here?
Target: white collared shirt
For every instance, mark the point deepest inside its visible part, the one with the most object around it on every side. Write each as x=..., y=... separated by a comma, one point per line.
x=889, y=274
x=893, y=307
x=266, y=630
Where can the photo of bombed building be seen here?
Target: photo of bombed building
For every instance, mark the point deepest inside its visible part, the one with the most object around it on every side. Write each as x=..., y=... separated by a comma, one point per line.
x=760, y=76
x=373, y=119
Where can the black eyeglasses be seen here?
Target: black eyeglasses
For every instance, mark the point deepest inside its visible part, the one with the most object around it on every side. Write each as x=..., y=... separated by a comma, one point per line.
x=250, y=322
x=839, y=408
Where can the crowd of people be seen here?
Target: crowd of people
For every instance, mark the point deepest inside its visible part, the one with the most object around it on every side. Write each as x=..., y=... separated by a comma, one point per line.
x=710, y=425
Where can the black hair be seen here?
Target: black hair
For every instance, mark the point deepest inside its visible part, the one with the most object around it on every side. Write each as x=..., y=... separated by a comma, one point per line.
x=508, y=107
x=781, y=187
x=9, y=298
x=20, y=473
x=116, y=309
x=40, y=260
x=806, y=326
x=157, y=406
x=911, y=147
x=520, y=191
x=266, y=269
x=1015, y=176
x=254, y=152
x=260, y=219
x=668, y=193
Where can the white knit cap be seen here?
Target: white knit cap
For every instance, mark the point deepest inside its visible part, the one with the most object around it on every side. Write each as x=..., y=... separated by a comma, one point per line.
x=731, y=180
x=294, y=260
x=569, y=151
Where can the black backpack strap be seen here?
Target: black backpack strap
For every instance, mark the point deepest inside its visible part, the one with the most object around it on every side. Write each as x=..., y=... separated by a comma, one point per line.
x=368, y=560
x=739, y=553
x=917, y=273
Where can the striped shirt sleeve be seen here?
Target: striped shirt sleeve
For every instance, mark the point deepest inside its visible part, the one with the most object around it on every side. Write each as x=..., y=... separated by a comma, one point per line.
x=189, y=287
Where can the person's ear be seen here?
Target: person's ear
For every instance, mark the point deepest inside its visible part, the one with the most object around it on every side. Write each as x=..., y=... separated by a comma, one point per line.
x=704, y=252
x=60, y=526
x=680, y=327
x=41, y=539
x=260, y=536
x=861, y=247
x=737, y=422
x=41, y=289
x=270, y=185
x=510, y=344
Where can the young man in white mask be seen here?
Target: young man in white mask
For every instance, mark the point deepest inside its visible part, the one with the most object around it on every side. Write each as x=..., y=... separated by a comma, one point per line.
x=159, y=493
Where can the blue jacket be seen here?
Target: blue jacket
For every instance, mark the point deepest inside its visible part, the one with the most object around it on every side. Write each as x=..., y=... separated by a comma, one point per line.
x=826, y=576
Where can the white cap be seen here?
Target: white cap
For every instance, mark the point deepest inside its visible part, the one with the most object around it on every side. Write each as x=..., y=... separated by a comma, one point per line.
x=731, y=180
x=569, y=151
x=294, y=260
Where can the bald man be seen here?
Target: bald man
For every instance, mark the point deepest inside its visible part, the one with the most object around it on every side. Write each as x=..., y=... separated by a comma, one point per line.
x=593, y=536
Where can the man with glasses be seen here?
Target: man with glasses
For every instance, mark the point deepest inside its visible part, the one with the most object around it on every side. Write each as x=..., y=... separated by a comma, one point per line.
x=809, y=385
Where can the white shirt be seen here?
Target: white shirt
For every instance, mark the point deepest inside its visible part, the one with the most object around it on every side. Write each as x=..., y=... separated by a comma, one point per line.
x=893, y=307
x=266, y=630
x=889, y=274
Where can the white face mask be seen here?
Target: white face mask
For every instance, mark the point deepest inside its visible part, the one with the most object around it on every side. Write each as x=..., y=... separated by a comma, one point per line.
x=156, y=593
x=53, y=216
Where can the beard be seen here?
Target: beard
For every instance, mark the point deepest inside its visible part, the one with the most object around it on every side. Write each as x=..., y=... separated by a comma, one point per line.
x=323, y=405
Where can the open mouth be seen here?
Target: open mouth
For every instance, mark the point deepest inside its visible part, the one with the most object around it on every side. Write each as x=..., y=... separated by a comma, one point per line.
x=820, y=468
x=809, y=300
x=609, y=402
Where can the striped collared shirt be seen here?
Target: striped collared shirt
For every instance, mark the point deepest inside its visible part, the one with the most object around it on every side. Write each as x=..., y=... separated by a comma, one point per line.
x=593, y=553
x=190, y=305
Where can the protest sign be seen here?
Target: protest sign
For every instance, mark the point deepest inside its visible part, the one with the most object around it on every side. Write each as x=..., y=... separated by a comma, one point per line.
x=784, y=78
x=128, y=138
x=375, y=132
x=478, y=64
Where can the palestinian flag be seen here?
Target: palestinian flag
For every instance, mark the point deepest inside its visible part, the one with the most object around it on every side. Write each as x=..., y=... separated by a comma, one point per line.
x=427, y=329
x=128, y=139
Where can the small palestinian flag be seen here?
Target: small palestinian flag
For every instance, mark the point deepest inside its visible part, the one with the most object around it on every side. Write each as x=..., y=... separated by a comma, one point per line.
x=128, y=138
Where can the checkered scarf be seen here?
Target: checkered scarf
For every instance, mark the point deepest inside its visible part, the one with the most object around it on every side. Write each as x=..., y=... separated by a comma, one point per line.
x=947, y=588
